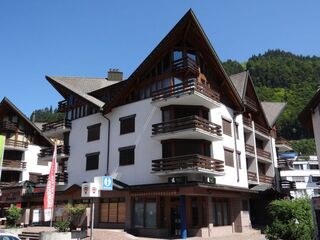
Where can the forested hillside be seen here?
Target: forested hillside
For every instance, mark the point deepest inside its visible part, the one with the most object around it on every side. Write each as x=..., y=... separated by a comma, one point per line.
x=283, y=76
x=46, y=115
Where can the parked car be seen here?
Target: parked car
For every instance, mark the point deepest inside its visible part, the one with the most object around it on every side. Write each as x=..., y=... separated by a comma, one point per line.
x=8, y=236
x=288, y=154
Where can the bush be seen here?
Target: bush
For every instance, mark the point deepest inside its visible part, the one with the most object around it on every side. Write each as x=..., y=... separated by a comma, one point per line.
x=75, y=214
x=13, y=215
x=62, y=225
x=292, y=220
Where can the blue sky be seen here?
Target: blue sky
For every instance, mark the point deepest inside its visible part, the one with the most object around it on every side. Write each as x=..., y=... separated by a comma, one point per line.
x=86, y=38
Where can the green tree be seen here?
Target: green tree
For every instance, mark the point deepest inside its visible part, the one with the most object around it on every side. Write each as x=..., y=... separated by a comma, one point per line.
x=46, y=115
x=13, y=215
x=232, y=67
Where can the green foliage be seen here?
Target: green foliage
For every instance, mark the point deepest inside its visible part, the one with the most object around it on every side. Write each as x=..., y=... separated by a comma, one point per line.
x=62, y=225
x=304, y=146
x=292, y=220
x=13, y=215
x=232, y=67
x=46, y=115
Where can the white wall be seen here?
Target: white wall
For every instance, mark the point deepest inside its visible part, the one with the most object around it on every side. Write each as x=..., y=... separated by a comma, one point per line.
x=316, y=129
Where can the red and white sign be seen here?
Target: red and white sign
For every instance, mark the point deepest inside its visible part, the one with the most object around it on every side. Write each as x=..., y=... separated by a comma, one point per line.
x=90, y=190
x=48, y=200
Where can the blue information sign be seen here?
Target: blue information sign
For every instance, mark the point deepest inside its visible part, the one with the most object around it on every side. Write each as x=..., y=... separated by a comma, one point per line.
x=107, y=183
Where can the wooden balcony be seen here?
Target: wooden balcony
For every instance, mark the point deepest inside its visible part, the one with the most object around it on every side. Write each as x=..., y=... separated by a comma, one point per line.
x=57, y=128
x=186, y=66
x=265, y=179
x=191, y=92
x=62, y=106
x=264, y=154
x=7, y=126
x=249, y=103
x=247, y=122
x=63, y=151
x=193, y=163
x=5, y=184
x=16, y=145
x=283, y=144
x=287, y=185
x=252, y=177
x=14, y=165
x=193, y=127
x=261, y=129
x=285, y=164
x=61, y=178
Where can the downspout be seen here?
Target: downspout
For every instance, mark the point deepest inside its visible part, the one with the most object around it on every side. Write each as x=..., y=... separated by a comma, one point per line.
x=108, y=146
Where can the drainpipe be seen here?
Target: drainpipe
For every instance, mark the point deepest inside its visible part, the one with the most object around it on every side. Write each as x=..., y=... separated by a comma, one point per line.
x=108, y=146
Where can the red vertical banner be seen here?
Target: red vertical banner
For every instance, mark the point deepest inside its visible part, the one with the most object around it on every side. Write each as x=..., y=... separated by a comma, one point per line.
x=48, y=200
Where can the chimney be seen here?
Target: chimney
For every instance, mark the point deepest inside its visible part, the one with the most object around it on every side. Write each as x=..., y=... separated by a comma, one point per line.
x=115, y=75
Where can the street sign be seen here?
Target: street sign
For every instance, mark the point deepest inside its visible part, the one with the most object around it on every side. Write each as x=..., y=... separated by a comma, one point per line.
x=90, y=190
x=107, y=183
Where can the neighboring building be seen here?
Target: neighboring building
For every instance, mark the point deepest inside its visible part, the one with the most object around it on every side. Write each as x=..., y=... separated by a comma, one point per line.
x=188, y=146
x=20, y=165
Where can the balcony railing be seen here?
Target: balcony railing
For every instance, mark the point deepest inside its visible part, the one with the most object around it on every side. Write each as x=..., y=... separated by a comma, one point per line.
x=185, y=64
x=187, y=87
x=261, y=129
x=250, y=104
x=60, y=124
x=247, y=122
x=62, y=106
x=188, y=162
x=285, y=163
x=14, y=164
x=252, y=177
x=15, y=143
x=286, y=184
x=265, y=179
x=7, y=126
x=264, y=154
x=60, y=178
x=61, y=150
x=190, y=122
x=5, y=184
x=249, y=149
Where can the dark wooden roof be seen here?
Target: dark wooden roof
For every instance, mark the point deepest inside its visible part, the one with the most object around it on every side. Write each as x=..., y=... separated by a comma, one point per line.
x=305, y=116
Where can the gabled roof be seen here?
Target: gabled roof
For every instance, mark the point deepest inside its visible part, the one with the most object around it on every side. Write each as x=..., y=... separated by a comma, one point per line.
x=305, y=116
x=81, y=86
x=239, y=81
x=273, y=110
x=184, y=23
x=6, y=101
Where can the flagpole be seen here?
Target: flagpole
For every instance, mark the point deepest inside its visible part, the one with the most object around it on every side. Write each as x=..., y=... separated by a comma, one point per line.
x=52, y=209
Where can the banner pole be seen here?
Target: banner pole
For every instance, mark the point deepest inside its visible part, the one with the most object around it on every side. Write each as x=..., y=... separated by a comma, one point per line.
x=92, y=220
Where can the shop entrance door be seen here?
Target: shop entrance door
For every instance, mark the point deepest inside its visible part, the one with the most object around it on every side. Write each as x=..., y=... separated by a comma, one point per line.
x=175, y=221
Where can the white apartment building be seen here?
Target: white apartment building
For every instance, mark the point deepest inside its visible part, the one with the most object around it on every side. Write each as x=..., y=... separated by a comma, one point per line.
x=189, y=148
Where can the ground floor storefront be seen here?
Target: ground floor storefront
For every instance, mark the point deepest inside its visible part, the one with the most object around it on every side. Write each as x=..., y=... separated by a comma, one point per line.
x=164, y=210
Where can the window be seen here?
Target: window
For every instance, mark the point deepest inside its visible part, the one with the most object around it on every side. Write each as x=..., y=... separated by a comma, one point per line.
x=298, y=166
x=221, y=212
x=92, y=162
x=126, y=155
x=314, y=166
x=127, y=124
x=226, y=127
x=113, y=210
x=145, y=213
x=315, y=179
x=298, y=179
x=94, y=132
x=228, y=157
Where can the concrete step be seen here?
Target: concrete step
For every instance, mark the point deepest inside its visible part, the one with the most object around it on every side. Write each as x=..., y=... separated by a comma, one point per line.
x=29, y=236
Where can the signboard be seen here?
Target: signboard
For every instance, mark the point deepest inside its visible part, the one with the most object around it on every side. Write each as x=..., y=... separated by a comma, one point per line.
x=107, y=183
x=2, y=143
x=90, y=190
x=36, y=215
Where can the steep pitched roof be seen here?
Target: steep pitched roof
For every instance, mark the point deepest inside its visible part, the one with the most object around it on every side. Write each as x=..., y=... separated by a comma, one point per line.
x=273, y=110
x=184, y=23
x=239, y=81
x=305, y=116
x=6, y=101
x=82, y=86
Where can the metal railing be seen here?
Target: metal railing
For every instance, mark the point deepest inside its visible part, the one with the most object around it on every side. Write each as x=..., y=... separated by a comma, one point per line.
x=192, y=161
x=189, y=87
x=64, y=123
x=190, y=122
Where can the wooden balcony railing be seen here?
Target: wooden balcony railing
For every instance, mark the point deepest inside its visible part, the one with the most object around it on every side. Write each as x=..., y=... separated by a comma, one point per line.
x=264, y=154
x=186, y=65
x=15, y=143
x=252, y=176
x=249, y=149
x=61, y=149
x=250, y=104
x=190, y=122
x=7, y=126
x=62, y=106
x=60, y=178
x=261, y=129
x=192, y=161
x=265, y=179
x=247, y=122
x=285, y=163
x=5, y=184
x=14, y=164
x=286, y=184
x=187, y=87
x=64, y=123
